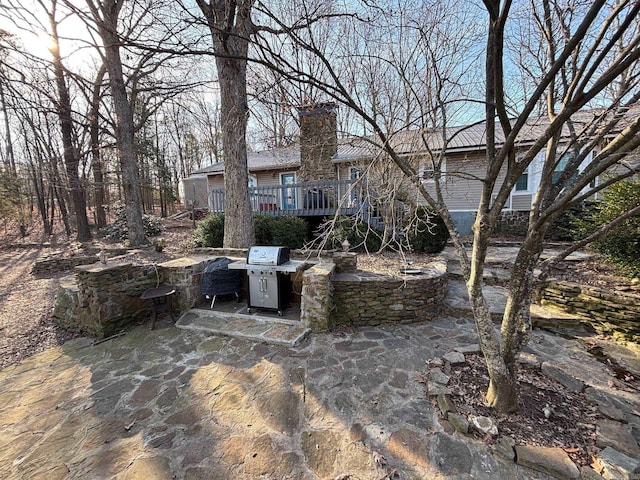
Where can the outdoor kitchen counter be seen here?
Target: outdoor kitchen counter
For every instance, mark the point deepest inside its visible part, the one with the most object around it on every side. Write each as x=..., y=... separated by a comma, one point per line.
x=291, y=266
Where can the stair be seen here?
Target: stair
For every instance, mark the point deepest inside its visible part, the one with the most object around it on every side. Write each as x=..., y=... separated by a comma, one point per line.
x=257, y=328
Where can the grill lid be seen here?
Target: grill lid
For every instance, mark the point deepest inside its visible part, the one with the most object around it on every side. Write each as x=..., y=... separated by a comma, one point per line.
x=266, y=255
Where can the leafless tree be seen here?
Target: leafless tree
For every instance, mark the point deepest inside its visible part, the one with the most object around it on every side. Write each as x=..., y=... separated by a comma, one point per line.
x=581, y=63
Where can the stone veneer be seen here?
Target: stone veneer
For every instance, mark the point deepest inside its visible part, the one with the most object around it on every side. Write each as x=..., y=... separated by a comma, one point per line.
x=317, y=297
x=615, y=313
x=365, y=298
x=100, y=299
x=318, y=142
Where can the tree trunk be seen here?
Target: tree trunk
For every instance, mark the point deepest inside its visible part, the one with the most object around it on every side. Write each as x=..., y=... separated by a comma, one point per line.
x=231, y=27
x=238, y=225
x=10, y=160
x=96, y=156
x=125, y=129
x=71, y=160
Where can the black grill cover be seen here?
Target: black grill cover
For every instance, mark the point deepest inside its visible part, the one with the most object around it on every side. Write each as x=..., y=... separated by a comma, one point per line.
x=219, y=280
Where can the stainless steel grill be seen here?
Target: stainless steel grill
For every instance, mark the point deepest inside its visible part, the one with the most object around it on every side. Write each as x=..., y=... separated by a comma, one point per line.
x=269, y=283
x=269, y=287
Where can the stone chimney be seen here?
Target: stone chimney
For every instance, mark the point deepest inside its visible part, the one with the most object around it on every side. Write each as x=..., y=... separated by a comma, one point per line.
x=318, y=142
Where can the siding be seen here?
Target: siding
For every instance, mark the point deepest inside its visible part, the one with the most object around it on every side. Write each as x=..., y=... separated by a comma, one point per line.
x=462, y=187
x=522, y=202
x=215, y=181
x=271, y=177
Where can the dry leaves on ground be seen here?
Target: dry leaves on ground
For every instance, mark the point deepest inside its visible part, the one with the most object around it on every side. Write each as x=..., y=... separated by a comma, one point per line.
x=550, y=415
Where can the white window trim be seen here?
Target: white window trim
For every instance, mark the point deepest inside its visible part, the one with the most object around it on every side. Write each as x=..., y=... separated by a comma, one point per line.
x=507, y=204
x=423, y=170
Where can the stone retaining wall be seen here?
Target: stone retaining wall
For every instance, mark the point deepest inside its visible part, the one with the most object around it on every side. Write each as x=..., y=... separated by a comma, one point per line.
x=46, y=265
x=317, y=297
x=57, y=262
x=100, y=299
x=364, y=298
x=616, y=313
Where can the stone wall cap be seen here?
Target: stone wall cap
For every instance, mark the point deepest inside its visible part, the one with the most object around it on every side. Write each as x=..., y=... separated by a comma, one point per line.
x=100, y=267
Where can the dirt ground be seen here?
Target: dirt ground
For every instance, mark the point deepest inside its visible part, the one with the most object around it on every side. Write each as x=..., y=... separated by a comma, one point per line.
x=25, y=307
x=26, y=300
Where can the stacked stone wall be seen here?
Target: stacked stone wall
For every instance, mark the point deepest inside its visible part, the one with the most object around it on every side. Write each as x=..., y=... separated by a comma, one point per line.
x=317, y=297
x=364, y=298
x=101, y=299
x=616, y=313
x=58, y=262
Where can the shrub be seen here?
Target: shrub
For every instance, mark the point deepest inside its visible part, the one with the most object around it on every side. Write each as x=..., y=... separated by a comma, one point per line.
x=289, y=231
x=620, y=246
x=426, y=231
x=286, y=231
x=119, y=231
x=209, y=231
x=361, y=236
x=262, y=225
x=565, y=227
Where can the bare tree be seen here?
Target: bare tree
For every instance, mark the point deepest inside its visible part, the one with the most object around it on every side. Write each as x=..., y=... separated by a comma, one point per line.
x=71, y=156
x=231, y=27
x=601, y=48
x=105, y=16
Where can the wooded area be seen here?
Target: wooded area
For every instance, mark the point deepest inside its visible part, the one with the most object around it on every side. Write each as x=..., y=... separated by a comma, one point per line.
x=133, y=103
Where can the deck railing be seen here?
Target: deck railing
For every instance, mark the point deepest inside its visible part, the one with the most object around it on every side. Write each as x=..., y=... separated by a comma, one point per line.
x=302, y=199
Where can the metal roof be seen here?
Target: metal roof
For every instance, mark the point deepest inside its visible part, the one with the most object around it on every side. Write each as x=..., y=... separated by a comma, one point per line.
x=466, y=138
x=276, y=159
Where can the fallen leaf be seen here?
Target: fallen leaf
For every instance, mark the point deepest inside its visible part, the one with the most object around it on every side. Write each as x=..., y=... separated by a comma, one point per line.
x=391, y=474
x=379, y=459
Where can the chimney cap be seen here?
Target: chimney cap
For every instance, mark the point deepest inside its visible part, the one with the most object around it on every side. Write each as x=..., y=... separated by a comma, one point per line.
x=316, y=108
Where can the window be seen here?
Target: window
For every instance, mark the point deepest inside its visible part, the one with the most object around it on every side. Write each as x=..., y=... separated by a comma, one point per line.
x=253, y=181
x=427, y=171
x=560, y=167
x=522, y=184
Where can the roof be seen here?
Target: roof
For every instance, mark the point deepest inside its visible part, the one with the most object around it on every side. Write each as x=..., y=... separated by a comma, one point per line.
x=276, y=159
x=468, y=138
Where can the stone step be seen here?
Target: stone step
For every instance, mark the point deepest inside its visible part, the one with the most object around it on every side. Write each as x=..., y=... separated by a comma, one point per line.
x=457, y=302
x=289, y=333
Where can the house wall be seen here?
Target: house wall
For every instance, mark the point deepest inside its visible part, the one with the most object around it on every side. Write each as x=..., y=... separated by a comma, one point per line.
x=215, y=181
x=194, y=192
x=271, y=177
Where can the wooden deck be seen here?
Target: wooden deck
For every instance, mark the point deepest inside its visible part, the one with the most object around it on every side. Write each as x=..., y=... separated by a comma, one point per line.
x=347, y=197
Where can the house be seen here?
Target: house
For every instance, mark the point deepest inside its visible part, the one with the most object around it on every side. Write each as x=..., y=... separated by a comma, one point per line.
x=309, y=179
x=322, y=176
x=194, y=192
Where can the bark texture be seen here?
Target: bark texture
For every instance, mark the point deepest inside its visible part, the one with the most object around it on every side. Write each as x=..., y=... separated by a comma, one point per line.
x=71, y=158
x=231, y=27
x=106, y=16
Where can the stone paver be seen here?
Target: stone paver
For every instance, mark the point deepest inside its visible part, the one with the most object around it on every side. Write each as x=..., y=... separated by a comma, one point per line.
x=288, y=333
x=174, y=403
x=268, y=400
